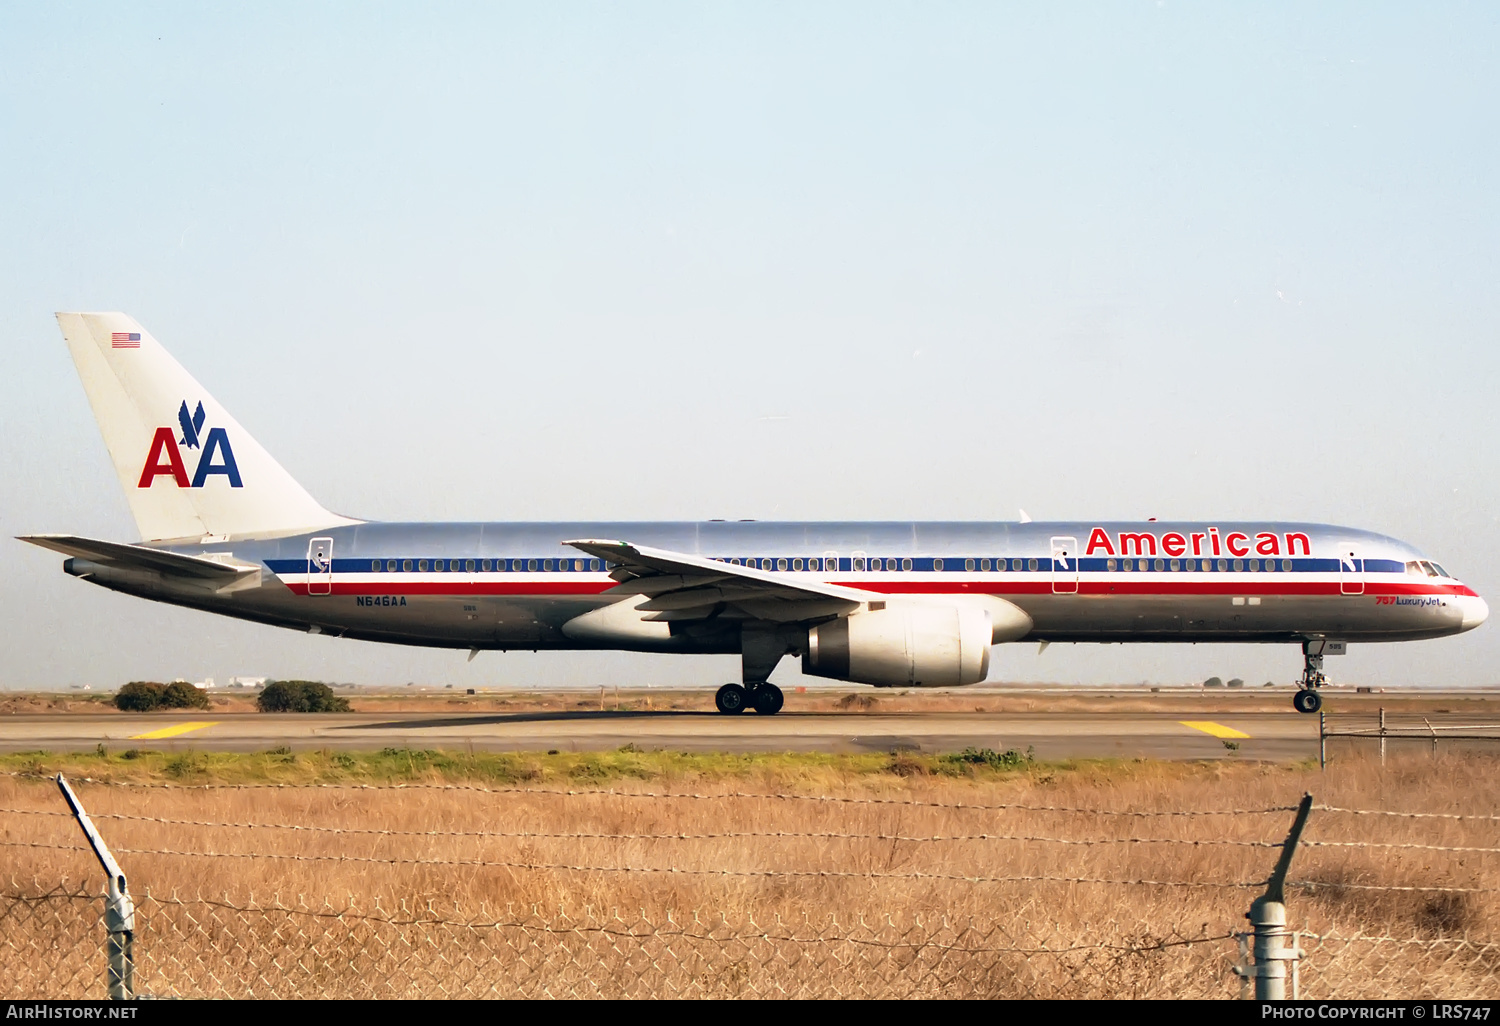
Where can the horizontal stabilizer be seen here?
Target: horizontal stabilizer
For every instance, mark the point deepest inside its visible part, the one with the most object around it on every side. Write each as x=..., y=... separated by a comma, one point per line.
x=140, y=557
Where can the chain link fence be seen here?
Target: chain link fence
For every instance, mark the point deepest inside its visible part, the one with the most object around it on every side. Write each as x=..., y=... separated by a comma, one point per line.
x=203, y=948
x=199, y=947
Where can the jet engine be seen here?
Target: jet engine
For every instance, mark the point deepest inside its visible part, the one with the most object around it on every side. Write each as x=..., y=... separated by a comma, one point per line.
x=903, y=645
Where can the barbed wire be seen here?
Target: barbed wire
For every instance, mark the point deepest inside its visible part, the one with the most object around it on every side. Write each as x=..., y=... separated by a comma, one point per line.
x=664, y=870
x=687, y=795
x=604, y=836
x=1316, y=884
x=749, y=834
x=1398, y=844
x=1408, y=815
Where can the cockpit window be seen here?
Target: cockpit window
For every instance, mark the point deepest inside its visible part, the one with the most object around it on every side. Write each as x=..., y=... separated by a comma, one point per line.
x=1441, y=571
x=1414, y=567
x=1430, y=569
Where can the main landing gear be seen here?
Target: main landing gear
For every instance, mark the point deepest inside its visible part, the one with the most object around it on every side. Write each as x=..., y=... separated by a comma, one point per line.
x=1307, y=699
x=765, y=699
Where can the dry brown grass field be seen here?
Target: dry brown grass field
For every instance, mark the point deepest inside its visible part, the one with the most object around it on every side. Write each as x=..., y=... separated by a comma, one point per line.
x=890, y=876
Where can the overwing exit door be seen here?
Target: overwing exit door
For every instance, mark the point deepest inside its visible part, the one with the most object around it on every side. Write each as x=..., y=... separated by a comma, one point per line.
x=1065, y=566
x=320, y=566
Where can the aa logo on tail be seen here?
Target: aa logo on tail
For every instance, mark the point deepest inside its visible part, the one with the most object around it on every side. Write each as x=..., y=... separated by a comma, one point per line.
x=165, y=457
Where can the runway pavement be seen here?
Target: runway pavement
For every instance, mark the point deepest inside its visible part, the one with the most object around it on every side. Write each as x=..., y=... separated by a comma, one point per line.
x=1166, y=726
x=1053, y=735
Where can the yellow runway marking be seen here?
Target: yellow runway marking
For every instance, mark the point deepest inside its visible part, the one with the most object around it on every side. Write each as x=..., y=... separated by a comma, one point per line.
x=1216, y=729
x=181, y=728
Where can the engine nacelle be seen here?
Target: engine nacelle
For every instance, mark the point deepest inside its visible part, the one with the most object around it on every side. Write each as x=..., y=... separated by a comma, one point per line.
x=903, y=645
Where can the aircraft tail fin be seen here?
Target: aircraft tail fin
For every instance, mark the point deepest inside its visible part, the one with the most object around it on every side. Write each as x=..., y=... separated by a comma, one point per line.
x=188, y=469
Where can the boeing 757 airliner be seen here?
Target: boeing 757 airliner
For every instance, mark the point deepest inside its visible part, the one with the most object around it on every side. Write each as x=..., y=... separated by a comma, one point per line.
x=227, y=530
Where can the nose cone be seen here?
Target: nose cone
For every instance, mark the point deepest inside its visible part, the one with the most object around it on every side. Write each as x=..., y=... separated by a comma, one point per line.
x=1475, y=611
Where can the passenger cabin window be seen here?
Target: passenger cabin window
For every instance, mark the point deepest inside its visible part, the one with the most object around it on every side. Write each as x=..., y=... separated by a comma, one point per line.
x=984, y=565
x=375, y=566
x=1160, y=565
x=546, y=564
x=1031, y=564
x=1286, y=565
x=1174, y=564
x=422, y=566
x=531, y=565
x=1111, y=565
x=390, y=566
x=1239, y=564
x=797, y=563
x=937, y=564
x=1223, y=565
x=969, y=564
x=406, y=565
x=906, y=564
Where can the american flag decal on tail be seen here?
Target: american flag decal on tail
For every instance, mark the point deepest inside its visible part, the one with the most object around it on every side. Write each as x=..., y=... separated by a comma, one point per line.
x=125, y=339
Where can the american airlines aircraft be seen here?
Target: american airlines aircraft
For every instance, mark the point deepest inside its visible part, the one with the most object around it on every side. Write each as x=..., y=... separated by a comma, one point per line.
x=227, y=530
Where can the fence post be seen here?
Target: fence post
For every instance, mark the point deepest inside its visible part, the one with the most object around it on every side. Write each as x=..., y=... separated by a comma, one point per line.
x=1322, y=742
x=1382, y=735
x=1268, y=920
x=119, y=910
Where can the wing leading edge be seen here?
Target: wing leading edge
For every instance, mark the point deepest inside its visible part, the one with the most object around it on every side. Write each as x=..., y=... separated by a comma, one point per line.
x=679, y=586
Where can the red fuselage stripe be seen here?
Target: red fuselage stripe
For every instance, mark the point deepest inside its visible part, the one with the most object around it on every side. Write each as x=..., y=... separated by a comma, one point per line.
x=1265, y=588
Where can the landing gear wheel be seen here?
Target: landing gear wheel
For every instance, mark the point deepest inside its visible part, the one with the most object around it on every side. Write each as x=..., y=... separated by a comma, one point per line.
x=731, y=699
x=767, y=699
x=1307, y=701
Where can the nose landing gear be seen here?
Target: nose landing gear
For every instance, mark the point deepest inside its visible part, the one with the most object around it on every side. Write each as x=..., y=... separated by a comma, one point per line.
x=1307, y=699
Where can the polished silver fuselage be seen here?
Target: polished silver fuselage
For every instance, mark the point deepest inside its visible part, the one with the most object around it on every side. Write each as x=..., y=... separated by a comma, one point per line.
x=515, y=585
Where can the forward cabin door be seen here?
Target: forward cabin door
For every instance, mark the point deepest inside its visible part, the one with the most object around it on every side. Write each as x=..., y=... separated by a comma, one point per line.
x=1065, y=566
x=320, y=566
x=1351, y=572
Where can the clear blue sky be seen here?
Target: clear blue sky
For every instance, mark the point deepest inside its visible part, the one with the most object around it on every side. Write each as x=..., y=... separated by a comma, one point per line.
x=779, y=261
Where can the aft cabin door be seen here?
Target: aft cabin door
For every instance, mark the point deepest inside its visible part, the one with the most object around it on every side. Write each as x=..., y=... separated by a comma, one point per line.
x=1065, y=566
x=320, y=566
x=1351, y=573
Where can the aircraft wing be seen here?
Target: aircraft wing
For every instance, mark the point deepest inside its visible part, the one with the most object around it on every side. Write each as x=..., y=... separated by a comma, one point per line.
x=141, y=557
x=679, y=586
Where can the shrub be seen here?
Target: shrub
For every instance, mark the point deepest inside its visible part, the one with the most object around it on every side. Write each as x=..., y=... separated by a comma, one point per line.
x=182, y=695
x=299, y=696
x=139, y=696
x=144, y=696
